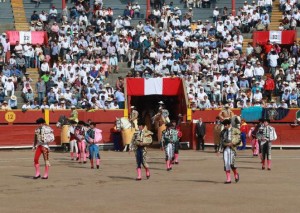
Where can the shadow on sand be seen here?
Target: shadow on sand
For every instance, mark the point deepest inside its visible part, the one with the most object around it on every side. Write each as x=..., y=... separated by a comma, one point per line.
x=203, y=181
x=121, y=178
x=24, y=176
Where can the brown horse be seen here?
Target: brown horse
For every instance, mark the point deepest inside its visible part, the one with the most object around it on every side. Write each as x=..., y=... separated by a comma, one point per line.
x=160, y=124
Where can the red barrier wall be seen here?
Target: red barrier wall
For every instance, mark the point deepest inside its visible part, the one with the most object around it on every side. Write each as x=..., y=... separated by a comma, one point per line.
x=21, y=131
x=286, y=135
x=210, y=115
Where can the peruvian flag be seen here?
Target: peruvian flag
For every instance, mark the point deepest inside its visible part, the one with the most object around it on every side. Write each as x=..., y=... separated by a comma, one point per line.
x=153, y=86
x=34, y=37
x=275, y=37
x=279, y=37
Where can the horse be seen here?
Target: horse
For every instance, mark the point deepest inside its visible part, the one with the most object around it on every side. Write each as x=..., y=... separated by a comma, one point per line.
x=127, y=130
x=63, y=124
x=63, y=120
x=160, y=124
x=236, y=121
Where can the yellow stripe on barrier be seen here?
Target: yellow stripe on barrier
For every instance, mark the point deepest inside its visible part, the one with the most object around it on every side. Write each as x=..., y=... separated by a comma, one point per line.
x=189, y=114
x=126, y=113
x=47, y=116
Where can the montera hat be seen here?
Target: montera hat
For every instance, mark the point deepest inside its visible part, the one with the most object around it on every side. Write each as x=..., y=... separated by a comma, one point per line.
x=40, y=121
x=226, y=122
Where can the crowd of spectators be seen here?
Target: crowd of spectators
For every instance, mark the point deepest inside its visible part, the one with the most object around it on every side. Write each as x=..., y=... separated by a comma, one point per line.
x=86, y=45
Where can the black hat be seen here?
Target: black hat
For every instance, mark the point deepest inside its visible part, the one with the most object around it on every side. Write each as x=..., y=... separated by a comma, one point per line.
x=169, y=125
x=73, y=122
x=141, y=122
x=81, y=123
x=93, y=123
x=40, y=121
x=226, y=122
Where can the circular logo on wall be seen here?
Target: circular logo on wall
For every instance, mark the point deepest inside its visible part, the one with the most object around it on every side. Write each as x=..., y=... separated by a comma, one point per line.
x=10, y=117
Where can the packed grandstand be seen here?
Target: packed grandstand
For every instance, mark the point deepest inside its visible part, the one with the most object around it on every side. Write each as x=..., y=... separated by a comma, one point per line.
x=87, y=42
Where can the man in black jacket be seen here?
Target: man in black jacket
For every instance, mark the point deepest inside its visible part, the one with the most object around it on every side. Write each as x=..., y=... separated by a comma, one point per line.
x=200, y=134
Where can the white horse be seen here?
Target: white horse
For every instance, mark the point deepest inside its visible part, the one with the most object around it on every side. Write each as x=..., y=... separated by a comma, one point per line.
x=236, y=121
x=127, y=130
x=123, y=123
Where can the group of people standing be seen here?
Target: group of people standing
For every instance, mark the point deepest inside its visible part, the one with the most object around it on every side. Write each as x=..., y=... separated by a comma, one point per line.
x=142, y=138
x=229, y=139
x=85, y=139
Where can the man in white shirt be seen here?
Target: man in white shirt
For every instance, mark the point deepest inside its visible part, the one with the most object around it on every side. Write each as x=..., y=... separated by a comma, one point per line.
x=45, y=67
x=26, y=106
x=258, y=70
x=43, y=17
x=273, y=57
x=9, y=87
x=68, y=94
x=18, y=48
x=53, y=13
x=257, y=95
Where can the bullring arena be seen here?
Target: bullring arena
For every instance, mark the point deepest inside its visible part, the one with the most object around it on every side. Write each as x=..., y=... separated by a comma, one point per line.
x=192, y=61
x=195, y=185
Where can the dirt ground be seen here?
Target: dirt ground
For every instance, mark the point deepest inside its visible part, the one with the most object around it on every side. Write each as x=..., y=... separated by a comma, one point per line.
x=195, y=185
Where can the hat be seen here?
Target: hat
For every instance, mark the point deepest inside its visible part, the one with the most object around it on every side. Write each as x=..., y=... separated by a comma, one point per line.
x=13, y=97
x=264, y=11
x=132, y=107
x=226, y=105
x=226, y=122
x=4, y=102
x=141, y=122
x=272, y=101
x=161, y=102
x=73, y=107
x=169, y=125
x=109, y=99
x=81, y=123
x=72, y=122
x=107, y=85
x=40, y=121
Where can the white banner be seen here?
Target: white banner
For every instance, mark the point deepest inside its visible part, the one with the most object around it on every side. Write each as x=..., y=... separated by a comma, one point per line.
x=275, y=37
x=153, y=86
x=25, y=37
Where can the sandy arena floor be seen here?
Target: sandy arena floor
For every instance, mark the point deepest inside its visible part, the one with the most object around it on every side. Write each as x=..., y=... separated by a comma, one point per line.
x=195, y=185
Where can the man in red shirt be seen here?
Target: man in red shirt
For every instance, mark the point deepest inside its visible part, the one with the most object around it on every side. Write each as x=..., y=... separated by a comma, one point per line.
x=269, y=87
x=244, y=130
x=268, y=46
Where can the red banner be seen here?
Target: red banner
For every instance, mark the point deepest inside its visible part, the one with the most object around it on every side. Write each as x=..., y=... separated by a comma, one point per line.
x=154, y=86
x=37, y=37
x=279, y=37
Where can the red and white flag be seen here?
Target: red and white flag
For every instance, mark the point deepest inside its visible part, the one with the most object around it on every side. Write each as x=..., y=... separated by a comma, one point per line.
x=34, y=37
x=279, y=37
x=153, y=86
x=275, y=37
